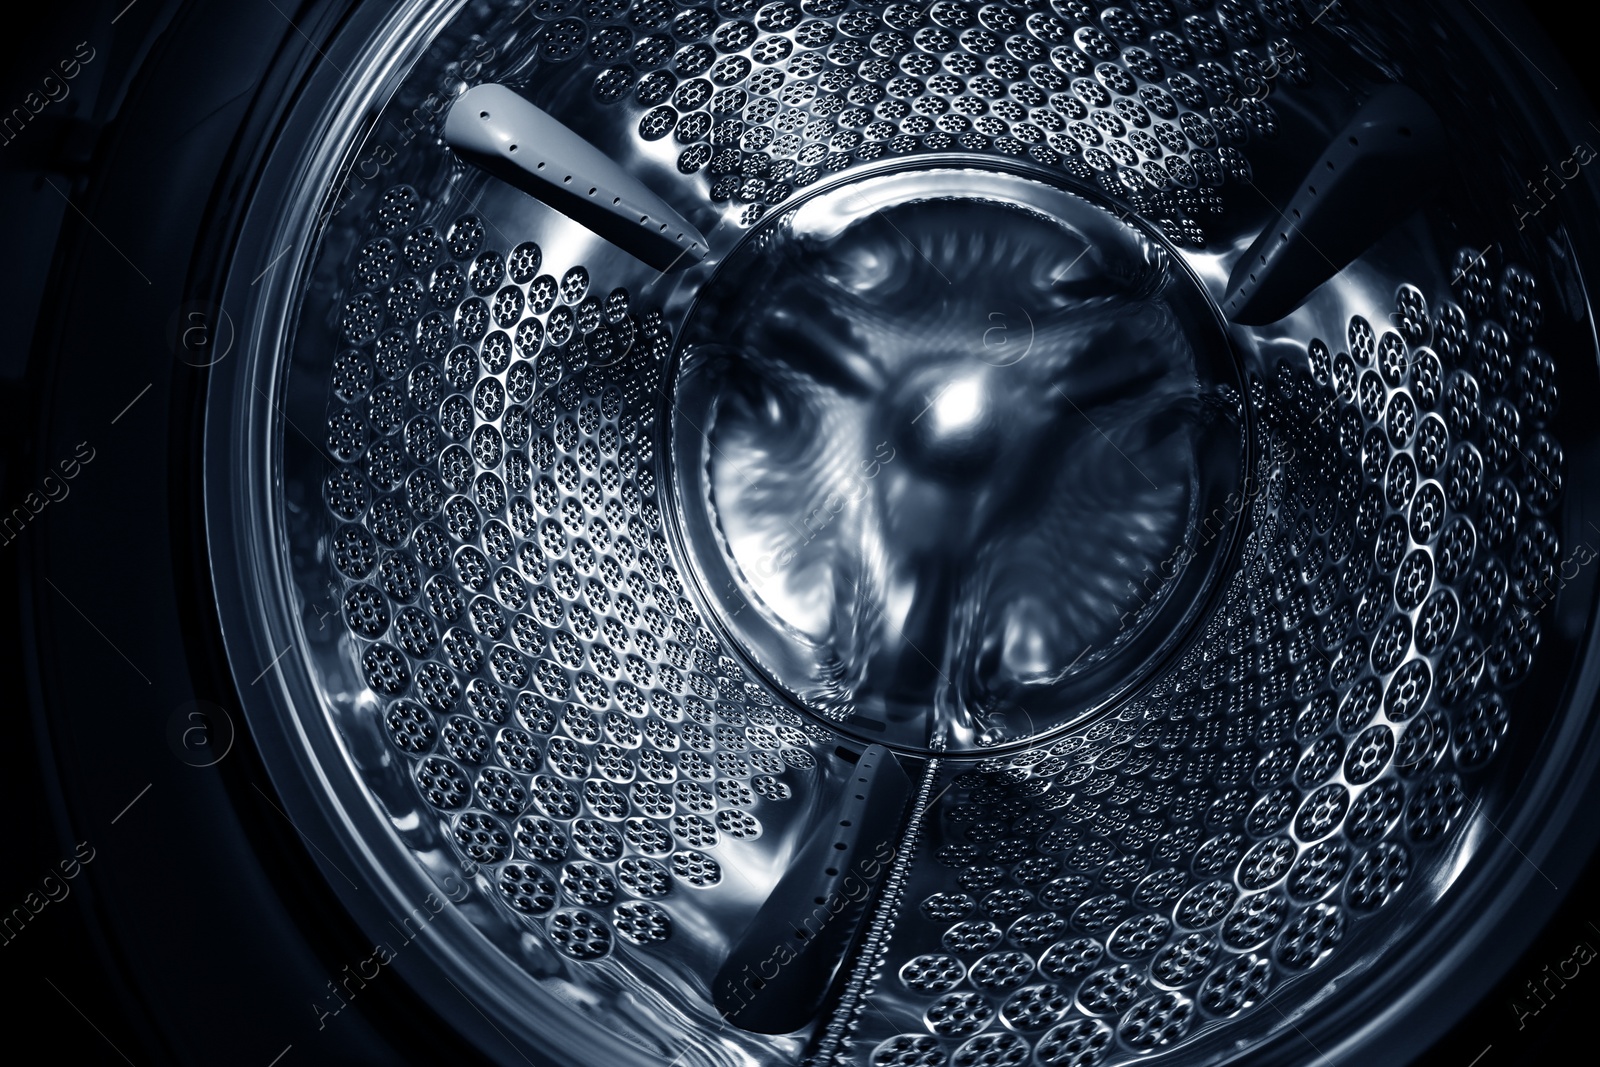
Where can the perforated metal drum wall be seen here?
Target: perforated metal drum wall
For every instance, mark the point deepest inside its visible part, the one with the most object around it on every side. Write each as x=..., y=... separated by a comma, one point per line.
x=1152, y=102
x=538, y=690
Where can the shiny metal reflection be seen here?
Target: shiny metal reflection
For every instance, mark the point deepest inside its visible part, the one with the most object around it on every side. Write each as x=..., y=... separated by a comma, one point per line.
x=494, y=128
x=1208, y=652
x=943, y=442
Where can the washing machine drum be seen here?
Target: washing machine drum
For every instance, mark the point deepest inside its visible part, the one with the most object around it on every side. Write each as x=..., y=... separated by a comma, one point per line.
x=921, y=533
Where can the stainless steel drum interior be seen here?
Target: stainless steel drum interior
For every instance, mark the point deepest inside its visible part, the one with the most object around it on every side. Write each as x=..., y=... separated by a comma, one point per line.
x=1068, y=543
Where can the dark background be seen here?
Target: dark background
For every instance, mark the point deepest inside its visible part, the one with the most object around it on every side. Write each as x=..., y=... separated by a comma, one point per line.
x=56, y=957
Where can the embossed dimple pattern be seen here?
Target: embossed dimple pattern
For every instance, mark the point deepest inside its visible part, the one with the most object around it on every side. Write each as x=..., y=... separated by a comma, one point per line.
x=1299, y=769
x=536, y=667
x=1151, y=101
x=496, y=533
